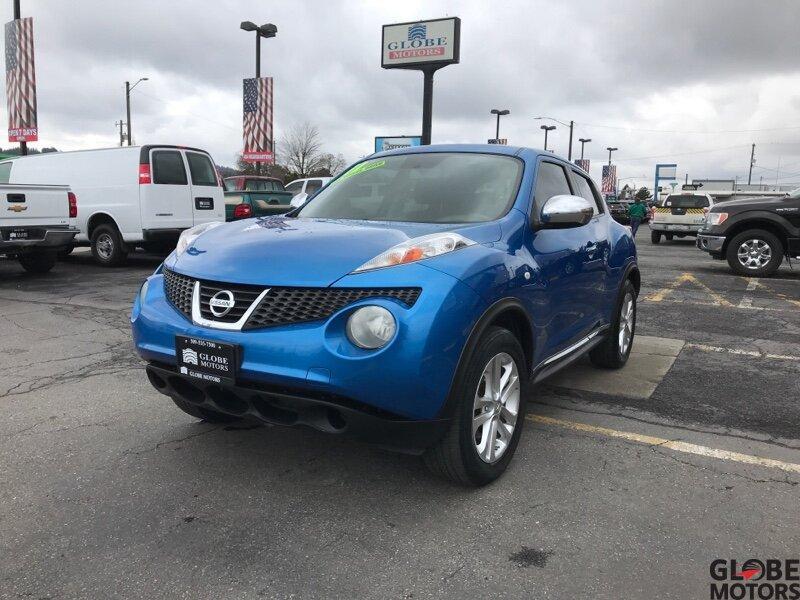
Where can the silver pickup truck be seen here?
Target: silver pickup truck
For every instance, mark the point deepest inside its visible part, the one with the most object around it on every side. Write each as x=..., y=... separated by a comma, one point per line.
x=36, y=222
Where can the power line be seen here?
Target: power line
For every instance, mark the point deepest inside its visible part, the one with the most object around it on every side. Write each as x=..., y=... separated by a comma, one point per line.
x=642, y=130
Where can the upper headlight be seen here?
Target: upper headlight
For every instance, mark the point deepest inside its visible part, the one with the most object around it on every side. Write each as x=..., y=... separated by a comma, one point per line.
x=713, y=219
x=416, y=249
x=188, y=236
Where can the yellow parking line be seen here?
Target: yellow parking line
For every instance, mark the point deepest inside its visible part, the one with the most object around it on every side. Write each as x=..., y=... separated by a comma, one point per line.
x=676, y=445
x=661, y=295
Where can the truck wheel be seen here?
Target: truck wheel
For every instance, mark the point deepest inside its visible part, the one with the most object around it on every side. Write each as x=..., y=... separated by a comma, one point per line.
x=489, y=415
x=107, y=246
x=38, y=262
x=655, y=237
x=613, y=353
x=755, y=253
x=207, y=415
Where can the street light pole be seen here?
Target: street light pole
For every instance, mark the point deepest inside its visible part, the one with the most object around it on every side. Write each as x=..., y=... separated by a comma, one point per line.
x=498, y=112
x=128, y=90
x=267, y=30
x=571, y=126
x=546, y=128
x=610, y=150
x=583, y=142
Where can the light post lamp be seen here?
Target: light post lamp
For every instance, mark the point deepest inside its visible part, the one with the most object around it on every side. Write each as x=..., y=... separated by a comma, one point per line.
x=268, y=30
x=499, y=113
x=546, y=128
x=128, y=90
x=571, y=126
x=610, y=150
x=583, y=142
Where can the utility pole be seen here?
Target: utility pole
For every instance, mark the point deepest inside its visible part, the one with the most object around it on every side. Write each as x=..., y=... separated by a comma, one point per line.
x=128, y=108
x=569, y=152
x=752, y=162
x=120, y=123
x=23, y=146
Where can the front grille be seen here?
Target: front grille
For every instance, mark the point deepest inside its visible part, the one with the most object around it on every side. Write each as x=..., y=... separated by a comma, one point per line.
x=178, y=289
x=281, y=306
x=243, y=296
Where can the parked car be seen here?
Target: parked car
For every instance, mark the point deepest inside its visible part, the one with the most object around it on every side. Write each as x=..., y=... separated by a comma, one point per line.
x=411, y=303
x=250, y=196
x=303, y=189
x=619, y=211
x=36, y=222
x=131, y=196
x=753, y=234
x=679, y=215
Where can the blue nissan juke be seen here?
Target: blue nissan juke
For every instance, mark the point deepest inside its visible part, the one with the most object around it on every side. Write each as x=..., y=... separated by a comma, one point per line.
x=411, y=303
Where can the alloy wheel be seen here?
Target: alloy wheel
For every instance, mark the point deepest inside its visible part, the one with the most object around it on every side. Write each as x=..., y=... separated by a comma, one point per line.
x=105, y=246
x=754, y=254
x=626, y=322
x=496, y=407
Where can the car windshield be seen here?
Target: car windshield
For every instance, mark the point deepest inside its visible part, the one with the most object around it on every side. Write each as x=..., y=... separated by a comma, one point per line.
x=686, y=201
x=433, y=187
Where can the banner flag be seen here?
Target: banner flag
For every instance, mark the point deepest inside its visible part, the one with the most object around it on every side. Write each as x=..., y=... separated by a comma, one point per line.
x=20, y=81
x=609, y=179
x=257, y=110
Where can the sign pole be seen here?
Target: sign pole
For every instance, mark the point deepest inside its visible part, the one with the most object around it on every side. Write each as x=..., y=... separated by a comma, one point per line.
x=427, y=104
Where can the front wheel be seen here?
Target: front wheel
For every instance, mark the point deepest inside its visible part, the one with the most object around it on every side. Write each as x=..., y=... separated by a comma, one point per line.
x=108, y=249
x=655, y=237
x=613, y=353
x=755, y=253
x=489, y=414
x=38, y=262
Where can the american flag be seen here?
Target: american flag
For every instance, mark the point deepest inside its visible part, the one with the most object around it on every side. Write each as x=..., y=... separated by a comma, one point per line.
x=583, y=163
x=20, y=81
x=257, y=120
x=609, y=179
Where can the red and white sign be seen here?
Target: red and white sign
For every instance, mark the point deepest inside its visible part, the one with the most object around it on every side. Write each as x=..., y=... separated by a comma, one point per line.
x=414, y=44
x=257, y=126
x=20, y=81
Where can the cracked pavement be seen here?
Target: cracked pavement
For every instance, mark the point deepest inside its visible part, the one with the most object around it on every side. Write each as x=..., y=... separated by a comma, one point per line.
x=108, y=491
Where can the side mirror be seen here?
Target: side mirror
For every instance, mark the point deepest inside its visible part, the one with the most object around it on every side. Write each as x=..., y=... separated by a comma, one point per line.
x=566, y=211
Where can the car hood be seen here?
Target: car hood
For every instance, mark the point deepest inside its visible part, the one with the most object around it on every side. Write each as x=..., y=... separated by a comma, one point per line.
x=752, y=202
x=285, y=251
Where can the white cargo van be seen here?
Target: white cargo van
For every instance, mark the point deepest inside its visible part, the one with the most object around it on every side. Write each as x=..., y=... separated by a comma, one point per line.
x=130, y=196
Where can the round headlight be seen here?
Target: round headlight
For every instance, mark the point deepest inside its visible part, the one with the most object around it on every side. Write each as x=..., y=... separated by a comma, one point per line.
x=371, y=327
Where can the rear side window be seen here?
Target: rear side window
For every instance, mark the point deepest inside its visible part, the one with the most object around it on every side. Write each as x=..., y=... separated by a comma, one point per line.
x=168, y=168
x=203, y=172
x=551, y=180
x=233, y=199
x=313, y=185
x=295, y=187
x=5, y=172
x=686, y=201
x=585, y=190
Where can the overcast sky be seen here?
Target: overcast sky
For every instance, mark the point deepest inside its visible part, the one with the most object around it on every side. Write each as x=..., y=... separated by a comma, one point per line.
x=693, y=82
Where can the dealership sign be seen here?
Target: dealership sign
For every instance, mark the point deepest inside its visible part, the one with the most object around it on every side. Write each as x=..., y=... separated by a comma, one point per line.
x=418, y=43
x=392, y=143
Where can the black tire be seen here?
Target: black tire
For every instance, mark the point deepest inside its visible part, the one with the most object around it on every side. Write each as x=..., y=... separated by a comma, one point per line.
x=108, y=249
x=207, y=415
x=655, y=237
x=758, y=236
x=66, y=251
x=669, y=237
x=38, y=262
x=455, y=456
x=609, y=354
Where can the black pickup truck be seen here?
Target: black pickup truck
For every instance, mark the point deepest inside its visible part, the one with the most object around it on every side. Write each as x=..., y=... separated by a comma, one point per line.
x=753, y=234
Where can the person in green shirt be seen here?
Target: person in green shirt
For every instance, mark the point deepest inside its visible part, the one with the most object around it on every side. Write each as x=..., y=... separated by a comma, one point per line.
x=636, y=212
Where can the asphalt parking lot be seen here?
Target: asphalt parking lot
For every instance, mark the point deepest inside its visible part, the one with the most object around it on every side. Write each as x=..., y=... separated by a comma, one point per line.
x=625, y=485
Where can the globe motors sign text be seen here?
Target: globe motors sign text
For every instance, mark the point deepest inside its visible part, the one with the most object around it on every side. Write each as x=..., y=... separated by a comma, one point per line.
x=411, y=45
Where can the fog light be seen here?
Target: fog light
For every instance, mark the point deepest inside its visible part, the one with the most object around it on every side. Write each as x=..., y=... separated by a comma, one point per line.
x=371, y=327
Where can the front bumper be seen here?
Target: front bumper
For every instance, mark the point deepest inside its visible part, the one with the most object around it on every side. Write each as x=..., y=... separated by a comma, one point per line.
x=43, y=237
x=409, y=378
x=320, y=411
x=710, y=243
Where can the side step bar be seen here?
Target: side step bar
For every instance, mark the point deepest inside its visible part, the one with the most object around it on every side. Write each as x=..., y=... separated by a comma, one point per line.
x=561, y=359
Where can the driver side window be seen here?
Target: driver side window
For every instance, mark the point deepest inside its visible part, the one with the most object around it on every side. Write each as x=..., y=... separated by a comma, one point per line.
x=551, y=180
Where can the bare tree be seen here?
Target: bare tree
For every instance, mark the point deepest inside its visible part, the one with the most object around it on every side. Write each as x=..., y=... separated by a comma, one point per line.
x=331, y=164
x=300, y=149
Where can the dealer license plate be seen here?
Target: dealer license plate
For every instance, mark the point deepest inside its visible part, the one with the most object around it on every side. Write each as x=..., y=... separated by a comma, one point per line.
x=18, y=234
x=211, y=361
